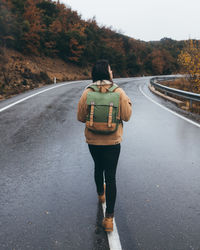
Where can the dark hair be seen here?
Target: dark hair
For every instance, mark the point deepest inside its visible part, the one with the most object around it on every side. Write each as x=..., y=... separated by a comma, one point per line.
x=100, y=71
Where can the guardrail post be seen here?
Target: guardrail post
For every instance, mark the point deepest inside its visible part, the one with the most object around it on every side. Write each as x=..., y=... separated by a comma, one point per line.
x=190, y=104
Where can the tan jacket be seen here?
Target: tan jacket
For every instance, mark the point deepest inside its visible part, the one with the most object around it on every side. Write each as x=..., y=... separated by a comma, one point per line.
x=125, y=114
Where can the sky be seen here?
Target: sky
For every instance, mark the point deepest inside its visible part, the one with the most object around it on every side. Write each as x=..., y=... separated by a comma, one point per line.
x=147, y=20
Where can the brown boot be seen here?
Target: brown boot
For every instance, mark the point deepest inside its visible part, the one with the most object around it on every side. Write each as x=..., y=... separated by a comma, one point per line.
x=102, y=197
x=108, y=224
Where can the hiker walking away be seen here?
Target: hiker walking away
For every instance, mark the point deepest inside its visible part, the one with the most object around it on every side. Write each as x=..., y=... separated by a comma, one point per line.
x=103, y=106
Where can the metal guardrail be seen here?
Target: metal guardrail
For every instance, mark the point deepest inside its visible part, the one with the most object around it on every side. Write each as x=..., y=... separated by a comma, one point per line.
x=185, y=94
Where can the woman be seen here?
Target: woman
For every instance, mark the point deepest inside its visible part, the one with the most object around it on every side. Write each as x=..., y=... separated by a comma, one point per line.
x=105, y=148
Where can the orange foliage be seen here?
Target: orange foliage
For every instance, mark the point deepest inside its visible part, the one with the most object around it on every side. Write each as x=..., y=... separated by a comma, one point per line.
x=33, y=16
x=76, y=50
x=56, y=26
x=189, y=59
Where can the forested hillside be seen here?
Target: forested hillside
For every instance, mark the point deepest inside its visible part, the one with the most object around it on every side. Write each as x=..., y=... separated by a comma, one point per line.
x=48, y=29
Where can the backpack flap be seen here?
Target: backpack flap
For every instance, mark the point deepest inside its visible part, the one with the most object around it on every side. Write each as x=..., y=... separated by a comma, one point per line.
x=103, y=112
x=103, y=98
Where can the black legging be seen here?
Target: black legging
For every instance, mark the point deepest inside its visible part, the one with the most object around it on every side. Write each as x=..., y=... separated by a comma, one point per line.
x=105, y=159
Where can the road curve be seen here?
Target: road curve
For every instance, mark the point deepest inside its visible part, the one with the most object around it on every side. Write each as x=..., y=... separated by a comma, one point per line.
x=47, y=191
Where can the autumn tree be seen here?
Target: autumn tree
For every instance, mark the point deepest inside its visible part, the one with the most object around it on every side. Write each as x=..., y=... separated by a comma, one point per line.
x=189, y=59
x=6, y=39
x=7, y=25
x=49, y=11
x=33, y=17
x=47, y=27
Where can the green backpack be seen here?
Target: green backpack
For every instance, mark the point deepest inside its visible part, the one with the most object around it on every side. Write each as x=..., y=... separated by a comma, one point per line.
x=103, y=112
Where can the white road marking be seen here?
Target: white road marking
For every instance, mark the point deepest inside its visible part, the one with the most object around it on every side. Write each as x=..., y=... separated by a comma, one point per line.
x=113, y=237
x=40, y=92
x=180, y=116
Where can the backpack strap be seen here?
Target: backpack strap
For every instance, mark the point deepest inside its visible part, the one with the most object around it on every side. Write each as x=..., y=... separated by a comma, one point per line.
x=110, y=115
x=113, y=87
x=92, y=114
x=96, y=89
x=93, y=87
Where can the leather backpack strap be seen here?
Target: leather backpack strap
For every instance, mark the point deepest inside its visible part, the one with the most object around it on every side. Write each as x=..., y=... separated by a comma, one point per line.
x=92, y=114
x=110, y=115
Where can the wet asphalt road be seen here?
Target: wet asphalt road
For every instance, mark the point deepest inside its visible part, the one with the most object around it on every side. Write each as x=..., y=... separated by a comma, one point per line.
x=47, y=192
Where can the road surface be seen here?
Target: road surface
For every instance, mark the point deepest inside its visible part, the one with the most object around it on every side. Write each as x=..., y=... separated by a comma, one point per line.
x=47, y=192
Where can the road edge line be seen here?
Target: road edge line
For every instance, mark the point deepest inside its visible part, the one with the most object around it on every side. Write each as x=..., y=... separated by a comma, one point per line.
x=160, y=105
x=38, y=93
x=113, y=237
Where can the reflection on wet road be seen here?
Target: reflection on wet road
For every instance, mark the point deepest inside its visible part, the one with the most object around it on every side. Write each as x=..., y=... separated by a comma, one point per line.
x=48, y=198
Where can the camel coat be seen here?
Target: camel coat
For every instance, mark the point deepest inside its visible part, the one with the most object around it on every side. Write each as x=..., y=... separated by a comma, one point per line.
x=125, y=114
